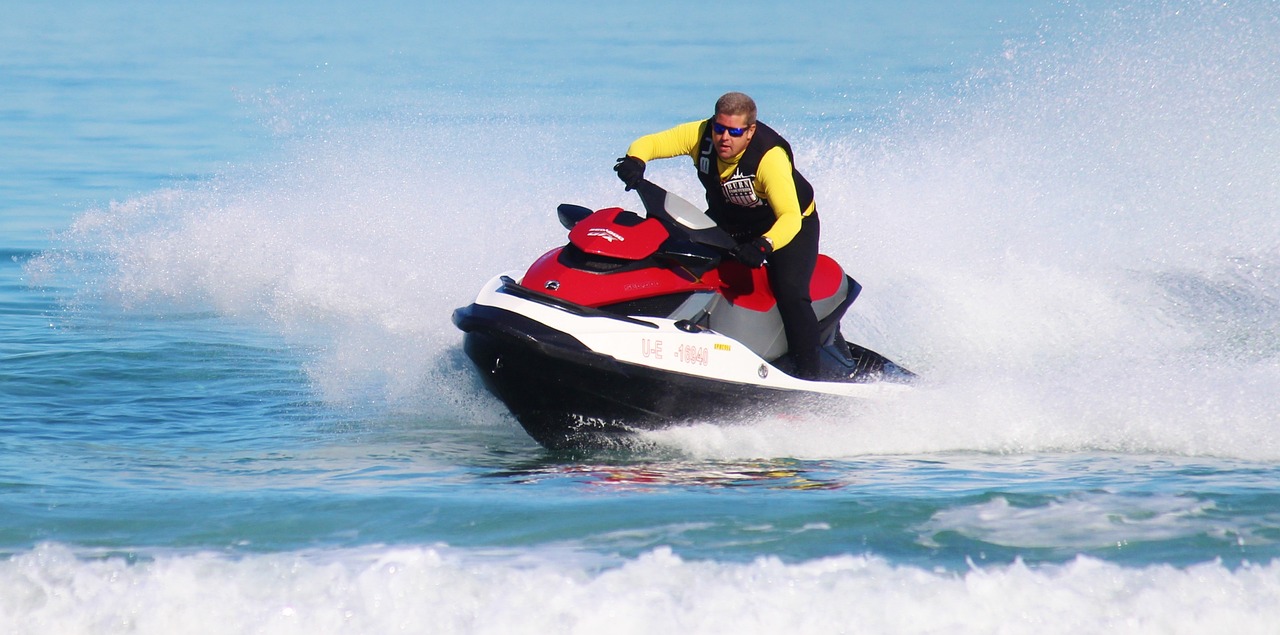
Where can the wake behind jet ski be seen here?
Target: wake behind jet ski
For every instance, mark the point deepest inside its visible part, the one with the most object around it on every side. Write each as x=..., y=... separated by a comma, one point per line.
x=640, y=323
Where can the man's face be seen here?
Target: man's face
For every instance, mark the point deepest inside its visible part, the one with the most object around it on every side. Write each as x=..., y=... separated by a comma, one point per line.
x=727, y=145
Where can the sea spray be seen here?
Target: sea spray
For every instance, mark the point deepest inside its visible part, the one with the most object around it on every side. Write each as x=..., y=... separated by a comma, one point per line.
x=1075, y=249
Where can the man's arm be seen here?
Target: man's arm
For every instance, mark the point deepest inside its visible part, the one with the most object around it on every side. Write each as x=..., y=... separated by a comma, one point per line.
x=778, y=187
x=680, y=140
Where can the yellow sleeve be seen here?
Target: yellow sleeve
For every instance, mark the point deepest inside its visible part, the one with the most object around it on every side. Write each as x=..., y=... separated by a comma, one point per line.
x=775, y=184
x=680, y=140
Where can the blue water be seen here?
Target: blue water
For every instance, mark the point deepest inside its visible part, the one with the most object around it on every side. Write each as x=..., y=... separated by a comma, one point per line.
x=231, y=399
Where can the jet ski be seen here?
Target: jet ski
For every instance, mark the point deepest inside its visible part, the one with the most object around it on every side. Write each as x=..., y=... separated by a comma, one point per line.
x=642, y=322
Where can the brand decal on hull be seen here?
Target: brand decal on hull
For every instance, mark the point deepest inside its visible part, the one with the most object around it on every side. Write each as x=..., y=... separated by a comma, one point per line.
x=605, y=233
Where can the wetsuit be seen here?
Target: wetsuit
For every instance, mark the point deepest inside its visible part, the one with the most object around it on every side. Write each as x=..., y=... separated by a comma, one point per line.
x=758, y=193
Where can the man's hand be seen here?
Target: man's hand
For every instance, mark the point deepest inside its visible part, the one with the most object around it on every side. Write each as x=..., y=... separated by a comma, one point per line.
x=630, y=170
x=753, y=252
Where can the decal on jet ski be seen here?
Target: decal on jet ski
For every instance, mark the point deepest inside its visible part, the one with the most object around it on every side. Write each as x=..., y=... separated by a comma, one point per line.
x=695, y=355
x=605, y=233
x=651, y=348
x=633, y=287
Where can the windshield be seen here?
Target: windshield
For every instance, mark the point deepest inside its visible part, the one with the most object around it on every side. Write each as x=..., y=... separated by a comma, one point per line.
x=687, y=213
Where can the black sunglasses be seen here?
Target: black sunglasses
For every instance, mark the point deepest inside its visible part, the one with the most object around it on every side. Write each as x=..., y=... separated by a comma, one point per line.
x=733, y=132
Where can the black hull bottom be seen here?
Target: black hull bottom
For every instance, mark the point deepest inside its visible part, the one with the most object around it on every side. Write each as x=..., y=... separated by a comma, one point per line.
x=570, y=398
x=595, y=402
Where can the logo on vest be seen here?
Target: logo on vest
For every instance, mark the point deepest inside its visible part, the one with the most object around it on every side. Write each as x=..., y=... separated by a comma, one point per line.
x=740, y=190
x=704, y=156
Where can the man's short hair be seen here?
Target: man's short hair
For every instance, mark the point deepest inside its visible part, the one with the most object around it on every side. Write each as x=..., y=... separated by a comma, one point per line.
x=737, y=104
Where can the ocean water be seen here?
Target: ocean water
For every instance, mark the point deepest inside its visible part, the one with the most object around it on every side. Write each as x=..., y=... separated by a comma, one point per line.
x=232, y=401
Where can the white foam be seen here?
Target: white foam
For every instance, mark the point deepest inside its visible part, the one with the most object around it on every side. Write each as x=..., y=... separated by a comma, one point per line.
x=1087, y=521
x=444, y=590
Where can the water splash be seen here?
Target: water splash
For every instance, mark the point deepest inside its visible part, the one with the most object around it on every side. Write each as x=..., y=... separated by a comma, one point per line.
x=1077, y=248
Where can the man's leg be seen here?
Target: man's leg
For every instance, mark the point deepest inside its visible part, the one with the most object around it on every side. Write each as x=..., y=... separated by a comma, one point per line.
x=790, y=270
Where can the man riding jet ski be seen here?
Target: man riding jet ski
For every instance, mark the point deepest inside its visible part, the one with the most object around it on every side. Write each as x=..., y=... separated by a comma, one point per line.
x=756, y=194
x=641, y=322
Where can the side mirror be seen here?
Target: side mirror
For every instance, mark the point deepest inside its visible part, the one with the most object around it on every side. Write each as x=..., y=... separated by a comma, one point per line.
x=571, y=214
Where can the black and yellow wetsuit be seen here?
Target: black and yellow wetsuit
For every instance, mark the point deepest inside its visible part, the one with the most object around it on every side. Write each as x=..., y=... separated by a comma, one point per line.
x=757, y=190
x=758, y=193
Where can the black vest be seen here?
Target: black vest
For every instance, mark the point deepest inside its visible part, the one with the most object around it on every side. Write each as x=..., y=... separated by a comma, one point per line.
x=733, y=203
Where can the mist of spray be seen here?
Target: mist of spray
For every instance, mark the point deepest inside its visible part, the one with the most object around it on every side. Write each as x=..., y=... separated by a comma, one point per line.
x=1077, y=249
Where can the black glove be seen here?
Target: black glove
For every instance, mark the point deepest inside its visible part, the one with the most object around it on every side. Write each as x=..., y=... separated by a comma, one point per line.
x=630, y=170
x=753, y=252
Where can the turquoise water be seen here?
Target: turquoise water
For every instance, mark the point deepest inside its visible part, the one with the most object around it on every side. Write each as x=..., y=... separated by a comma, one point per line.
x=231, y=399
